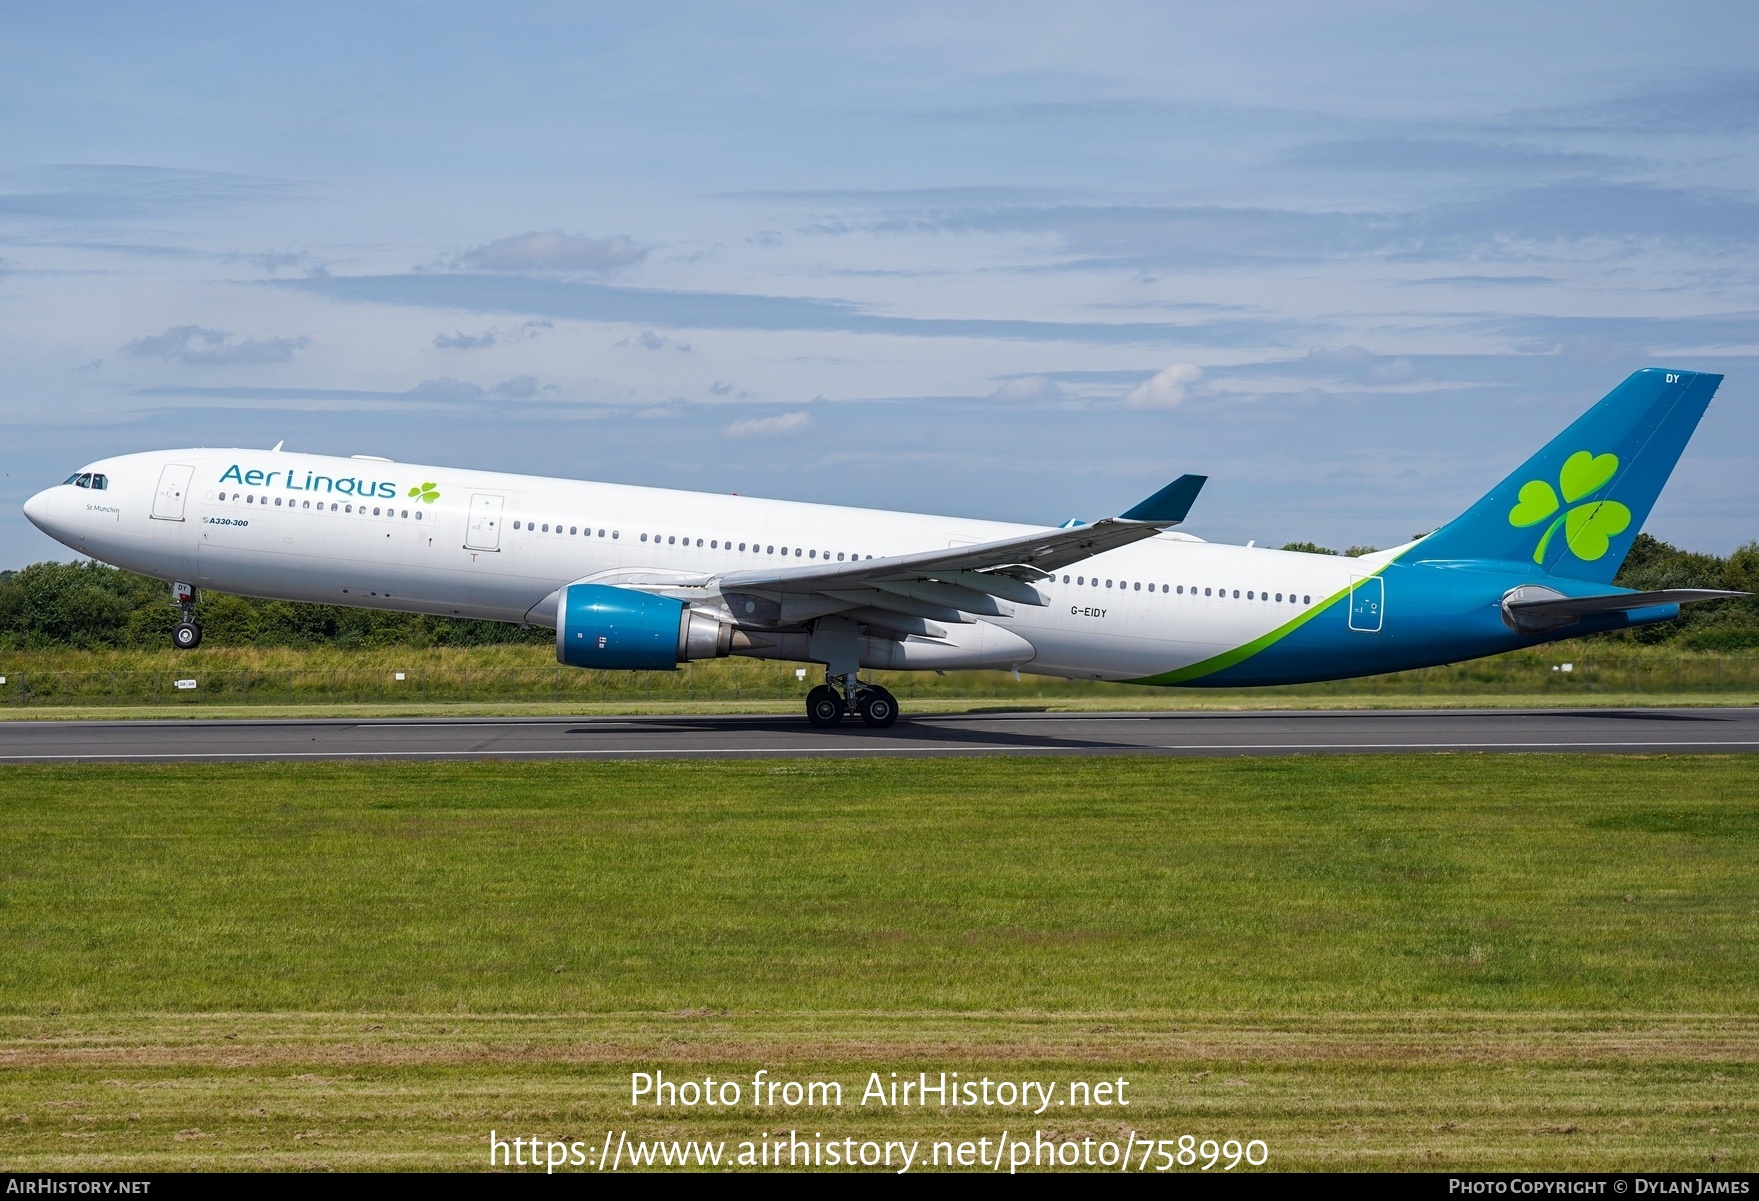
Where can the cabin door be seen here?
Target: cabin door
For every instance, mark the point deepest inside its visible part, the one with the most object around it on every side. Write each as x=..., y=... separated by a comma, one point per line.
x=173, y=491
x=485, y=522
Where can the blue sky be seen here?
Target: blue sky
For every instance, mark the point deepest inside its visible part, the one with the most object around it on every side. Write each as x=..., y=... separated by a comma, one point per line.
x=1354, y=262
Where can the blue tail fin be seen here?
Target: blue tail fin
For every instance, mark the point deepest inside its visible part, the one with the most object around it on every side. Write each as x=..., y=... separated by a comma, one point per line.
x=1574, y=508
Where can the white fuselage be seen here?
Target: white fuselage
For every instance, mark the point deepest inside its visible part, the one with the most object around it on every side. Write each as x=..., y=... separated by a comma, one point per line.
x=492, y=545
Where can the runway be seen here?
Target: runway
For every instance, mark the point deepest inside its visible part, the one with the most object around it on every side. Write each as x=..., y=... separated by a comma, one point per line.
x=1597, y=731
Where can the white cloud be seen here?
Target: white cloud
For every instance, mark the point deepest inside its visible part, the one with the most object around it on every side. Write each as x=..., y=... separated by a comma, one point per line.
x=464, y=341
x=1028, y=387
x=446, y=390
x=197, y=346
x=1169, y=387
x=648, y=340
x=553, y=250
x=757, y=427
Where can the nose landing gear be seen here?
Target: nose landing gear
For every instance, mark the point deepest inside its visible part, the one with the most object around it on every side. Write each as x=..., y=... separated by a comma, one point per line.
x=826, y=707
x=188, y=635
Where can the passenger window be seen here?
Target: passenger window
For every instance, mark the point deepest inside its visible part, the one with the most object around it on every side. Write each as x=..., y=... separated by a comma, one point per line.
x=1138, y=587
x=418, y=514
x=1108, y=583
x=713, y=543
x=1248, y=595
x=796, y=552
x=673, y=541
x=1236, y=594
x=515, y=525
x=812, y=554
x=742, y=546
x=1080, y=579
x=375, y=510
x=644, y=537
x=1065, y=579
x=345, y=508
x=1307, y=600
x=250, y=499
x=615, y=534
x=406, y=514
x=1206, y=592
x=602, y=534
x=1180, y=590
x=839, y=556
x=699, y=541
x=573, y=529
x=772, y=550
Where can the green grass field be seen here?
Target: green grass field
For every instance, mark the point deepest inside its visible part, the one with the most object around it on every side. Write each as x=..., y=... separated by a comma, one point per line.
x=74, y=684
x=1442, y=962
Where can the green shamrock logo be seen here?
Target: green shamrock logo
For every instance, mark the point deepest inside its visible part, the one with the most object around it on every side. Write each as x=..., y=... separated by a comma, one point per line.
x=1588, y=527
x=428, y=493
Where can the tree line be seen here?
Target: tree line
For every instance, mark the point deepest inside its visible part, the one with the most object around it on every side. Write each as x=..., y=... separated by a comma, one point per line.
x=90, y=606
x=86, y=605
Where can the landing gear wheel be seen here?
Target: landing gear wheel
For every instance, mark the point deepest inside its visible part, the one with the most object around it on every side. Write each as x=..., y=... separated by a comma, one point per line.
x=824, y=708
x=187, y=636
x=878, y=707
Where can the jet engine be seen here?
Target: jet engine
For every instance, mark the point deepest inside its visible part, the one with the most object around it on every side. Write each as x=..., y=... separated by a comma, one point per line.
x=621, y=629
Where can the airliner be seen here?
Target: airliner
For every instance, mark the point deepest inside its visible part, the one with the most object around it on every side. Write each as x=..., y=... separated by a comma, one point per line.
x=639, y=579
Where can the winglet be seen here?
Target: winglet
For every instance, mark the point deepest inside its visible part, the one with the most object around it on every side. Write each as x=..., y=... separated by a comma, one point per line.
x=1170, y=504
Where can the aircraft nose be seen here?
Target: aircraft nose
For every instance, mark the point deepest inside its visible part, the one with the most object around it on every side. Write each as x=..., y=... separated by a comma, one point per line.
x=36, y=509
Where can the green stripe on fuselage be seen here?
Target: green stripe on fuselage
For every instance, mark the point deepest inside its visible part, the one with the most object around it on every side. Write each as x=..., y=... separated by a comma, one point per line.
x=1240, y=654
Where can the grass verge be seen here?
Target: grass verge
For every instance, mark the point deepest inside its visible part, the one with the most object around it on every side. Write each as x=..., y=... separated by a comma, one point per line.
x=1168, y=700
x=1448, y=961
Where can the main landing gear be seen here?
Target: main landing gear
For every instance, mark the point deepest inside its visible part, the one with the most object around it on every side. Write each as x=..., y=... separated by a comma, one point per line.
x=187, y=636
x=825, y=706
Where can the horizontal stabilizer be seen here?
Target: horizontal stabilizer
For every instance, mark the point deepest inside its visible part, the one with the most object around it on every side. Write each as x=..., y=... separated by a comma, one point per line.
x=1170, y=504
x=1534, y=608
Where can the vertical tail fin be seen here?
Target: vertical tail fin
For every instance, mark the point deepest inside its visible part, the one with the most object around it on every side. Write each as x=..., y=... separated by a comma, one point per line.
x=1574, y=508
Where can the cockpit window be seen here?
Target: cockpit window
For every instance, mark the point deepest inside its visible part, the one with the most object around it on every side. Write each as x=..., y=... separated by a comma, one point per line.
x=87, y=479
x=99, y=482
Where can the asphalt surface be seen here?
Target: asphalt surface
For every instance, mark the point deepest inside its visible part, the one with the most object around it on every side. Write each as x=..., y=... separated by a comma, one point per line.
x=1602, y=731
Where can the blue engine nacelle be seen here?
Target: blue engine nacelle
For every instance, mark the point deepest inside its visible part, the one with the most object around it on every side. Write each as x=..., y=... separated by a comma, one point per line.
x=621, y=629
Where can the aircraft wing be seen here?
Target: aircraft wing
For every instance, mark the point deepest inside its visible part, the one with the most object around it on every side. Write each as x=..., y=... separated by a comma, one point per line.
x=1013, y=560
x=1029, y=556
x=902, y=595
